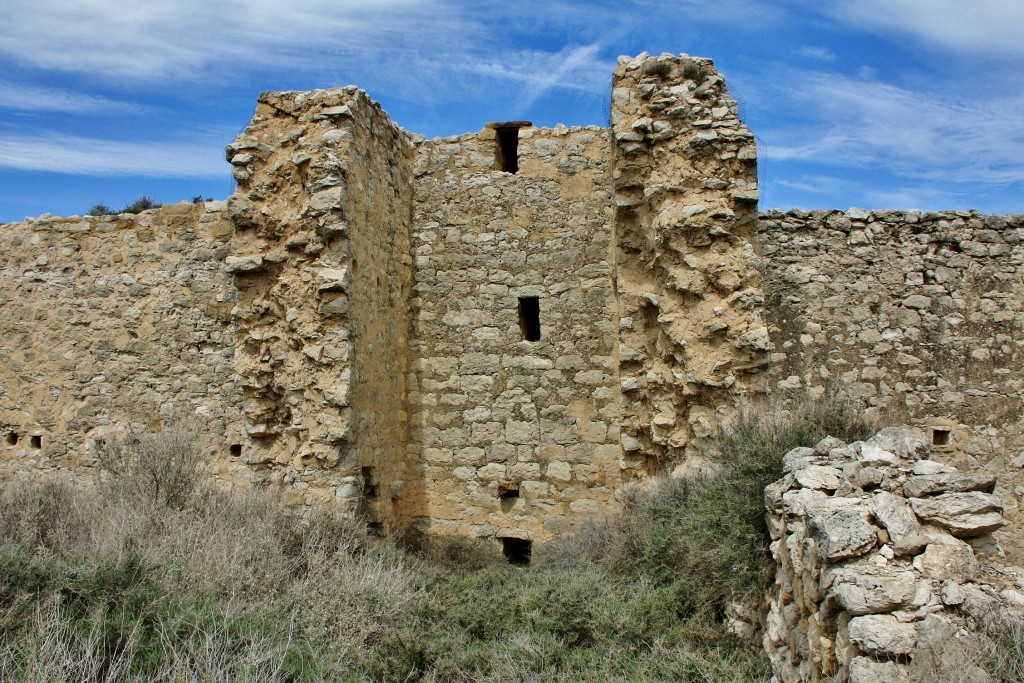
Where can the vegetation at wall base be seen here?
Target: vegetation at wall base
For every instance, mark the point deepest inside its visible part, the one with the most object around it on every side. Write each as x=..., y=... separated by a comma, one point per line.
x=129, y=583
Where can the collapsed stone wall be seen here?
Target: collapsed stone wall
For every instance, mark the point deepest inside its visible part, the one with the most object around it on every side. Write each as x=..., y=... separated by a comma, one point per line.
x=111, y=322
x=691, y=336
x=886, y=564
x=919, y=317
x=320, y=258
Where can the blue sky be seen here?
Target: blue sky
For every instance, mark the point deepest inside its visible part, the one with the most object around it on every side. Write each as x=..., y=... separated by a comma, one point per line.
x=869, y=103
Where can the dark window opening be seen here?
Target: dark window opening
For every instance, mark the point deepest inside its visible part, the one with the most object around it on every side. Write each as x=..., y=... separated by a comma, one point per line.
x=508, y=489
x=507, y=149
x=517, y=550
x=236, y=450
x=371, y=489
x=375, y=529
x=529, y=317
x=35, y=441
x=940, y=436
x=12, y=439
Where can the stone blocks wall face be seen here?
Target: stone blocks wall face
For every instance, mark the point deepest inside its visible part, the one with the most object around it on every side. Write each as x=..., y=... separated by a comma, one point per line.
x=691, y=337
x=918, y=317
x=885, y=559
x=320, y=260
x=115, y=321
x=492, y=411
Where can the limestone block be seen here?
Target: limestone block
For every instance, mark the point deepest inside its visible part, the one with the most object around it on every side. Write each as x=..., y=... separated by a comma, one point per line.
x=819, y=477
x=929, y=484
x=895, y=514
x=949, y=559
x=970, y=513
x=870, y=590
x=867, y=670
x=882, y=635
x=841, y=532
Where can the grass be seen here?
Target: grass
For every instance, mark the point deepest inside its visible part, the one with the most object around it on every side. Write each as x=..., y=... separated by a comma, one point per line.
x=135, y=583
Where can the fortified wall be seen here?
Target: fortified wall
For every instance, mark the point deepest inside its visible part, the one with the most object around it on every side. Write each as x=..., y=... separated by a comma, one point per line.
x=490, y=334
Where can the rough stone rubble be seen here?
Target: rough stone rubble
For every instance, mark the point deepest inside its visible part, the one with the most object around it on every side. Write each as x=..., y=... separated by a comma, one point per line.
x=885, y=560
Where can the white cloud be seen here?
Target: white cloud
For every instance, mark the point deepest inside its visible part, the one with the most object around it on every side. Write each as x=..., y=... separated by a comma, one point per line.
x=572, y=68
x=91, y=156
x=821, y=54
x=974, y=26
x=174, y=38
x=32, y=98
x=867, y=123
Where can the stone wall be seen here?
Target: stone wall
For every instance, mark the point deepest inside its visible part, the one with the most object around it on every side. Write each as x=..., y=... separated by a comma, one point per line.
x=116, y=321
x=515, y=435
x=691, y=337
x=887, y=570
x=320, y=257
x=918, y=317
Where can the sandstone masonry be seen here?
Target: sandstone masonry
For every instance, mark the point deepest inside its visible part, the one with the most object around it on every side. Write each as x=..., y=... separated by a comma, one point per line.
x=491, y=334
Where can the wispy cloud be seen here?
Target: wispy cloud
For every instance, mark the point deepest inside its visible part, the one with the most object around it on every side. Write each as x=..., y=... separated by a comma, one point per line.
x=90, y=156
x=572, y=68
x=821, y=54
x=33, y=98
x=868, y=123
x=977, y=27
x=175, y=38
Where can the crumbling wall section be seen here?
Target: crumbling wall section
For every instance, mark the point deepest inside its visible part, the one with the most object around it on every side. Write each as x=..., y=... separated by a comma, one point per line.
x=517, y=437
x=919, y=317
x=887, y=570
x=691, y=337
x=320, y=260
x=111, y=322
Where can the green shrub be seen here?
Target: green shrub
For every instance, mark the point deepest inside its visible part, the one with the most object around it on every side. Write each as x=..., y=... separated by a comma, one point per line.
x=704, y=535
x=100, y=210
x=140, y=205
x=165, y=466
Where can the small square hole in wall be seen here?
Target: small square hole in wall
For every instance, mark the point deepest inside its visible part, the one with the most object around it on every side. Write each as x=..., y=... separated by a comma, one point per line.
x=940, y=436
x=529, y=317
x=236, y=450
x=12, y=439
x=35, y=441
x=517, y=550
x=508, y=489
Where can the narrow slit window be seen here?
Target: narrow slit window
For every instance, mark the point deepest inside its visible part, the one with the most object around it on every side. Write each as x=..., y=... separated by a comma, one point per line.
x=529, y=317
x=517, y=550
x=507, y=149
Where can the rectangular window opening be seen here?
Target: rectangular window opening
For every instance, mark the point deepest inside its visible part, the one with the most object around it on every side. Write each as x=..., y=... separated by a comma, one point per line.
x=236, y=450
x=940, y=436
x=371, y=489
x=12, y=439
x=35, y=441
x=517, y=550
x=529, y=317
x=507, y=149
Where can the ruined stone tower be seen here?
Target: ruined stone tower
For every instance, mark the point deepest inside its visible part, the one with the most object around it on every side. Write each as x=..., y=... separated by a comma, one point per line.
x=492, y=334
